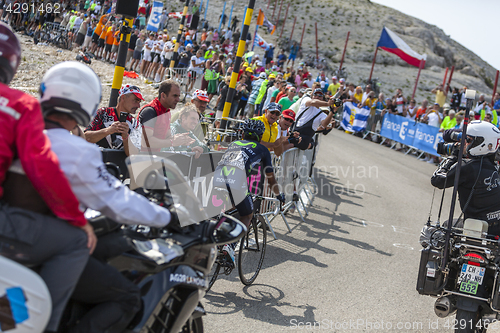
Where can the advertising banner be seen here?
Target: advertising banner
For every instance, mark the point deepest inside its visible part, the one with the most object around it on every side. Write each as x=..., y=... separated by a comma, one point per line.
x=408, y=132
x=155, y=17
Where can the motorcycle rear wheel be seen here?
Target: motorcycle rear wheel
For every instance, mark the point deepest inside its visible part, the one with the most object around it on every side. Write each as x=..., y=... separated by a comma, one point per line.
x=467, y=322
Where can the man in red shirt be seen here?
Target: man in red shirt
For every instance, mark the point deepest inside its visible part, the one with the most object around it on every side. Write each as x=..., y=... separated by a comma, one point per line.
x=155, y=118
x=59, y=248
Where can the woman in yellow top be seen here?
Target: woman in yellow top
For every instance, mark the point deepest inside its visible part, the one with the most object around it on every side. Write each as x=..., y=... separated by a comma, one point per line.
x=358, y=95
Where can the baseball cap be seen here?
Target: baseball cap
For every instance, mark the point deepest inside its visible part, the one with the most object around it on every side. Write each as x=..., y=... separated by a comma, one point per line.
x=262, y=75
x=201, y=95
x=318, y=91
x=272, y=76
x=210, y=47
x=273, y=107
x=334, y=78
x=188, y=37
x=249, y=70
x=289, y=114
x=342, y=80
x=130, y=89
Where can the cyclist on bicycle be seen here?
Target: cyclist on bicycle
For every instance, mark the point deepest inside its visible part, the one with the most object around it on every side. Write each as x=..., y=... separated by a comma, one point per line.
x=245, y=158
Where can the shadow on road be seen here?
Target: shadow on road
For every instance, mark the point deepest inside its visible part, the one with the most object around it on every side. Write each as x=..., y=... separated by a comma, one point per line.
x=258, y=297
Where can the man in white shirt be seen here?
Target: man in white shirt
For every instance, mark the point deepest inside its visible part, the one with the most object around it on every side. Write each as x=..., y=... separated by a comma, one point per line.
x=433, y=116
x=309, y=82
x=311, y=119
x=195, y=68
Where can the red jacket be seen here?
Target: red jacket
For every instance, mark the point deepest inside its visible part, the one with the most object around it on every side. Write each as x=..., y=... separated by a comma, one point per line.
x=21, y=136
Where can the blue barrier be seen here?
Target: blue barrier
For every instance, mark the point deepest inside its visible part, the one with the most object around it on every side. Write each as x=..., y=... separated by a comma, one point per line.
x=411, y=133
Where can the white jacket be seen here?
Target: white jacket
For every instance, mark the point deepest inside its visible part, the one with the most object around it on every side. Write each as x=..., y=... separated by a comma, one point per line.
x=95, y=188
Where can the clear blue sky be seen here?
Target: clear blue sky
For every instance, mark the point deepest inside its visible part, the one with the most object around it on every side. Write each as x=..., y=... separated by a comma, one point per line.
x=474, y=24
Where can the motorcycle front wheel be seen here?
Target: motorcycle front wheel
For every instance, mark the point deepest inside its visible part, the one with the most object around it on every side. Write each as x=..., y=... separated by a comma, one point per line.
x=193, y=326
x=467, y=322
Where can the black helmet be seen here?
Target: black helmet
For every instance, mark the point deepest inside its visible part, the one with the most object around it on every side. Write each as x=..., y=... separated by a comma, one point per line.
x=10, y=53
x=253, y=127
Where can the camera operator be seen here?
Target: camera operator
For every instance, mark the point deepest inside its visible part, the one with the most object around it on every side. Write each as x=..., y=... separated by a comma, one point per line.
x=478, y=186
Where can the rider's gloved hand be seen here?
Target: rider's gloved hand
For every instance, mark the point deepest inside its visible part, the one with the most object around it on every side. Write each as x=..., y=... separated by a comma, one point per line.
x=174, y=224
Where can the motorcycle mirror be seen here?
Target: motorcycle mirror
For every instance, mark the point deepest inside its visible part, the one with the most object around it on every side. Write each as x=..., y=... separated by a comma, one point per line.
x=228, y=230
x=155, y=181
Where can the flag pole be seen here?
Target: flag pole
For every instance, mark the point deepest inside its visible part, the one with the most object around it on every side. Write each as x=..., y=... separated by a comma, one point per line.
x=317, y=51
x=237, y=62
x=301, y=38
x=422, y=63
x=449, y=80
x=230, y=17
x=274, y=9
x=293, y=27
x=255, y=36
x=286, y=14
x=206, y=10
x=373, y=64
x=343, y=53
x=222, y=16
x=445, y=75
x=279, y=12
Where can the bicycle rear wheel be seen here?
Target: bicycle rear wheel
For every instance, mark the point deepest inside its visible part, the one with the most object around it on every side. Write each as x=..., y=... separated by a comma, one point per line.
x=252, y=250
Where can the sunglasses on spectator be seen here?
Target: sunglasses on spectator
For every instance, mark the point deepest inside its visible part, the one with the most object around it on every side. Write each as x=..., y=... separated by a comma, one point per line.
x=288, y=120
x=275, y=113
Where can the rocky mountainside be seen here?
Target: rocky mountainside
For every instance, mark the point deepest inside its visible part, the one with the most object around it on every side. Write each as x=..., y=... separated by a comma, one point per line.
x=365, y=21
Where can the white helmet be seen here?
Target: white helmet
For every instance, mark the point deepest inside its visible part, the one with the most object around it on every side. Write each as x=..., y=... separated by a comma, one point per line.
x=486, y=138
x=71, y=87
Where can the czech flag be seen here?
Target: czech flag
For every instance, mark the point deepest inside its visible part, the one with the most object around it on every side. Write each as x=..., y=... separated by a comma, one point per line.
x=392, y=43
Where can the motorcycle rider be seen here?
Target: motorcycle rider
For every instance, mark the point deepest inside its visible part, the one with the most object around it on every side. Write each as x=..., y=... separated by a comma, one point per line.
x=70, y=93
x=33, y=235
x=479, y=183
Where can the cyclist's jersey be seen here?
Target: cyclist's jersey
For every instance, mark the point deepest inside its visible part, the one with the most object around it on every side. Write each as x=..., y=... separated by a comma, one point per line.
x=247, y=155
x=242, y=159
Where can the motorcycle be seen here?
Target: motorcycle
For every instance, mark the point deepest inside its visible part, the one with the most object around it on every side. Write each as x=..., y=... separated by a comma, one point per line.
x=469, y=282
x=170, y=266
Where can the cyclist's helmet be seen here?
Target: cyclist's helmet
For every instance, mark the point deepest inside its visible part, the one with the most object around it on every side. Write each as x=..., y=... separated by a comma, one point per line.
x=73, y=88
x=10, y=53
x=254, y=128
x=485, y=138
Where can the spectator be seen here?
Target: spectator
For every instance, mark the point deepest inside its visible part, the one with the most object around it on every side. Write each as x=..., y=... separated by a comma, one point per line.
x=308, y=83
x=440, y=96
x=139, y=45
x=269, y=55
x=400, y=101
x=287, y=101
x=269, y=118
x=433, y=117
x=234, y=23
x=107, y=131
x=422, y=110
x=285, y=121
x=186, y=124
x=455, y=99
x=411, y=111
x=254, y=93
x=244, y=88
x=155, y=118
x=368, y=89
x=294, y=49
x=311, y=119
x=449, y=122
x=131, y=46
x=358, y=95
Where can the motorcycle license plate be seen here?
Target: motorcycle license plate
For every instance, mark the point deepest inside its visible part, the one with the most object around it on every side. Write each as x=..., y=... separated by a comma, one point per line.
x=471, y=273
x=469, y=287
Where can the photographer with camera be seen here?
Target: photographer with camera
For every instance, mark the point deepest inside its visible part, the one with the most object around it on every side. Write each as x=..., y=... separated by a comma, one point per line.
x=311, y=118
x=478, y=186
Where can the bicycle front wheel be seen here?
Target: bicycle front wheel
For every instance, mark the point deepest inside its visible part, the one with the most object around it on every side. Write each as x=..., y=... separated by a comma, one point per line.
x=214, y=273
x=252, y=250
